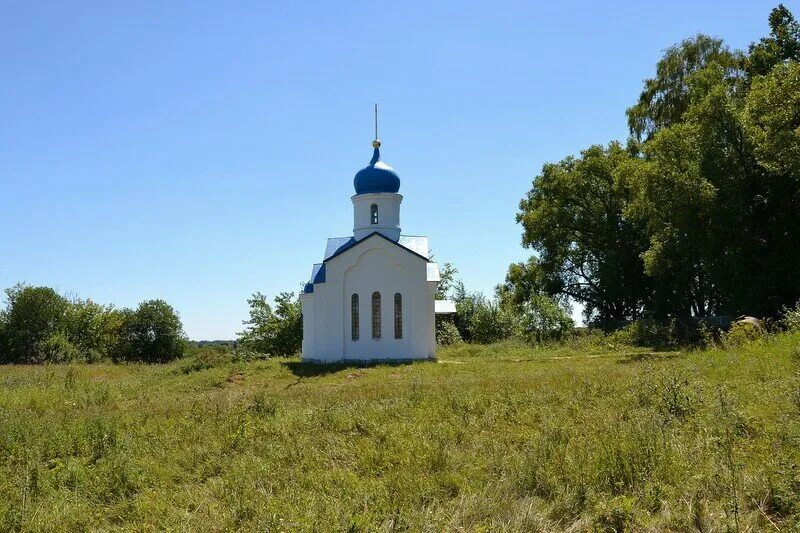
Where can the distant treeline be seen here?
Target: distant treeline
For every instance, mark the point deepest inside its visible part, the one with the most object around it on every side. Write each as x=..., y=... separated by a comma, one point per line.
x=38, y=325
x=698, y=214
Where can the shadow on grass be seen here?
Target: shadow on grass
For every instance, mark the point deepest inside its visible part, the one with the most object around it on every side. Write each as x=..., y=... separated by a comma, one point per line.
x=638, y=357
x=308, y=370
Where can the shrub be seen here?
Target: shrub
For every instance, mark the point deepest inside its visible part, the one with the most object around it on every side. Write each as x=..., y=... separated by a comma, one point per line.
x=57, y=348
x=153, y=334
x=707, y=335
x=481, y=320
x=92, y=328
x=466, y=303
x=648, y=332
x=278, y=332
x=244, y=354
x=446, y=332
x=490, y=323
x=791, y=318
x=740, y=333
x=38, y=325
x=203, y=359
x=544, y=320
x=32, y=317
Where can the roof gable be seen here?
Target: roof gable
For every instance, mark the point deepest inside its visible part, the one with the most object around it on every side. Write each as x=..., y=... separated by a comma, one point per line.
x=353, y=243
x=416, y=246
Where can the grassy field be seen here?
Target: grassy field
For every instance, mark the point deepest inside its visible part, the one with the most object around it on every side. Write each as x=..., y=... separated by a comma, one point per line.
x=500, y=437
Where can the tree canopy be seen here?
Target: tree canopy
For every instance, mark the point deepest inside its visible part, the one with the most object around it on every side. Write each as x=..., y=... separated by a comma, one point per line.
x=39, y=325
x=697, y=215
x=152, y=333
x=587, y=250
x=278, y=332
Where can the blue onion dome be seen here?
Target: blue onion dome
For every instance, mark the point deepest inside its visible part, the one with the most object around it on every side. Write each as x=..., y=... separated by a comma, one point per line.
x=377, y=176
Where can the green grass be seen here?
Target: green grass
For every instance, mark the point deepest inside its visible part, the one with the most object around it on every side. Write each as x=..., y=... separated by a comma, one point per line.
x=500, y=437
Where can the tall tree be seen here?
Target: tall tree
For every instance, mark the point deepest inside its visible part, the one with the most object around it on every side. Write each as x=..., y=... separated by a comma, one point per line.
x=699, y=216
x=772, y=116
x=719, y=220
x=697, y=192
x=665, y=97
x=781, y=45
x=772, y=121
x=587, y=249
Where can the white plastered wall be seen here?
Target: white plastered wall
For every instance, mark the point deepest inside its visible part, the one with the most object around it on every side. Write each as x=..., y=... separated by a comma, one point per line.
x=372, y=265
x=388, y=214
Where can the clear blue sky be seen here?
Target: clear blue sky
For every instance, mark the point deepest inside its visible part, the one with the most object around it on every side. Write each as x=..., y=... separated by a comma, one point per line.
x=198, y=152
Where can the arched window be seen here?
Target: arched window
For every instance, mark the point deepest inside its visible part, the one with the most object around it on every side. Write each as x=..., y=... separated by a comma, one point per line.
x=398, y=316
x=376, y=315
x=373, y=213
x=354, y=317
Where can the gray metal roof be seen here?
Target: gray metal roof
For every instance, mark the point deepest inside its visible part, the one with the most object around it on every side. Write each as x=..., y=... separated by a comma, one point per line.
x=433, y=272
x=415, y=243
x=334, y=244
x=444, y=307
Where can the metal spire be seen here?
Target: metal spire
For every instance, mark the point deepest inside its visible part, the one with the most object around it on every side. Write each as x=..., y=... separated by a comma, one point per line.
x=376, y=143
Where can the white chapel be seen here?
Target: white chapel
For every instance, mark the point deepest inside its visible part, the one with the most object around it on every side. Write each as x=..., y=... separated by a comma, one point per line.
x=373, y=297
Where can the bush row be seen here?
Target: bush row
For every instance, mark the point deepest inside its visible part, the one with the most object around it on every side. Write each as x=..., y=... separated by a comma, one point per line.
x=38, y=325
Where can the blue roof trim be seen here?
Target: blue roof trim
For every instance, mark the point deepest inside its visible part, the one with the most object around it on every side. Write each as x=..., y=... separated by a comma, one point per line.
x=319, y=276
x=351, y=244
x=335, y=244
